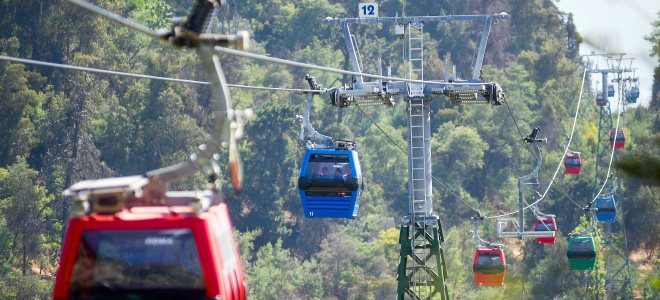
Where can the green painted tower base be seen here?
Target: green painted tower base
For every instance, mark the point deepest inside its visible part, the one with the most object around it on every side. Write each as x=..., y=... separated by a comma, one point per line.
x=425, y=275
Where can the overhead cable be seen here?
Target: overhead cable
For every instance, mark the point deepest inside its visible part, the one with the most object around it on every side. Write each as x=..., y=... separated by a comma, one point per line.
x=552, y=179
x=333, y=70
x=616, y=132
x=406, y=153
x=143, y=76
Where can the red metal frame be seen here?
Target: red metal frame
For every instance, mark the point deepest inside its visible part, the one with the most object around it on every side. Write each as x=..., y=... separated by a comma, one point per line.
x=546, y=240
x=223, y=279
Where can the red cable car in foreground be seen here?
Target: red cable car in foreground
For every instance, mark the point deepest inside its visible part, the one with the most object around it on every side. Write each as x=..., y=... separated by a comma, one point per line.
x=489, y=267
x=120, y=249
x=545, y=224
x=620, y=138
x=573, y=163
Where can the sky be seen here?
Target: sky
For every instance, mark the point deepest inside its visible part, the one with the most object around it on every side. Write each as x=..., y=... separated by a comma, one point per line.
x=615, y=26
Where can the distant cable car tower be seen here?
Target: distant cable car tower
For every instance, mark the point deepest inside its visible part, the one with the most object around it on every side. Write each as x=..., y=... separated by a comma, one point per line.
x=614, y=250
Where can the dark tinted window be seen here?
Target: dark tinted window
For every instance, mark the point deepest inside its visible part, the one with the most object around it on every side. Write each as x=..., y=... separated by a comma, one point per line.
x=619, y=136
x=606, y=203
x=572, y=161
x=328, y=194
x=126, y=262
x=548, y=226
x=582, y=245
x=489, y=259
x=328, y=166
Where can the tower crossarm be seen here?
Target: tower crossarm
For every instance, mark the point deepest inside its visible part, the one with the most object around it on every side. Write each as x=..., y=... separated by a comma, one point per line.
x=499, y=16
x=382, y=92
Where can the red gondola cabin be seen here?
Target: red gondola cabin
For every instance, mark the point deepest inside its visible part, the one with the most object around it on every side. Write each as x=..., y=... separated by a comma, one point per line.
x=489, y=267
x=149, y=252
x=546, y=224
x=620, y=138
x=573, y=163
x=600, y=100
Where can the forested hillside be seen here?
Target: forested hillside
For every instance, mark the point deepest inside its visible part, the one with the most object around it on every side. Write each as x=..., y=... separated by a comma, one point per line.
x=61, y=126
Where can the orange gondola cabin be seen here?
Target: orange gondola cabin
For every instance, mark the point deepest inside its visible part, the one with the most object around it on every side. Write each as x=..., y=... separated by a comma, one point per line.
x=573, y=163
x=118, y=250
x=489, y=267
x=620, y=138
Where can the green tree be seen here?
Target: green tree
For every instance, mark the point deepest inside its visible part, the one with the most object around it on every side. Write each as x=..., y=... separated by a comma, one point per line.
x=277, y=275
x=26, y=213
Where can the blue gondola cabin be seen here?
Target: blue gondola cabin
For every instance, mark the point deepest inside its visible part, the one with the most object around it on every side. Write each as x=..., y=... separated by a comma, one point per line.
x=606, y=208
x=330, y=183
x=545, y=224
x=610, y=91
x=573, y=163
x=620, y=138
x=489, y=267
x=600, y=100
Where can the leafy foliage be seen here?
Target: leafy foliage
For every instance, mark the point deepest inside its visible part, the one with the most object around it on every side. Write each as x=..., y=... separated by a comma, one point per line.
x=59, y=127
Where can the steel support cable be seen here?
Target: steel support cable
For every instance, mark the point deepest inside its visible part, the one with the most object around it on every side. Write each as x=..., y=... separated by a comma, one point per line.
x=406, y=152
x=616, y=132
x=552, y=178
x=156, y=34
x=143, y=76
x=570, y=139
x=542, y=166
x=333, y=70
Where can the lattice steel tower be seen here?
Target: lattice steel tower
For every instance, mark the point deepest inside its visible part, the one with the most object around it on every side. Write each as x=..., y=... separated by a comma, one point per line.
x=422, y=273
x=613, y=245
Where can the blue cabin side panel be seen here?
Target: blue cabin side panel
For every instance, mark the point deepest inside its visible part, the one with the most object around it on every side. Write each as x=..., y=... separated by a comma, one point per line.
x=331, y=202
x=608, y=215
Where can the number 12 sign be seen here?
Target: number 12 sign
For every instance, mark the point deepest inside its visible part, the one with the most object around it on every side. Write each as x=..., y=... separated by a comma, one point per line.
x=368, y=10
